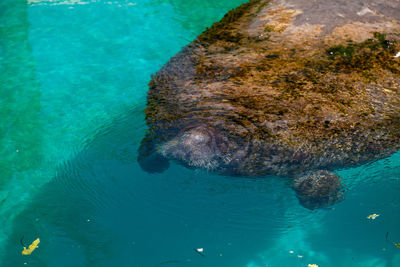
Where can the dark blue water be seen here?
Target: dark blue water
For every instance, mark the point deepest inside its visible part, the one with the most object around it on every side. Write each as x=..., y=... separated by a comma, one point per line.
x=79, y=74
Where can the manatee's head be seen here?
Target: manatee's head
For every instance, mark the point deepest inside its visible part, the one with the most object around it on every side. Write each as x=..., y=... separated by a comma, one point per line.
x=319, y=189
x=197, y=145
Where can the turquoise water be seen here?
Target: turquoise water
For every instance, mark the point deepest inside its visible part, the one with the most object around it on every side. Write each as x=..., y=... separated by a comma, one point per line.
x=73, y=77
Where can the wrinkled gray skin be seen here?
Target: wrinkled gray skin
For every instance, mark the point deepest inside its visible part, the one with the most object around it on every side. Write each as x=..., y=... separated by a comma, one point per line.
x=318, y=187
x=203, y=122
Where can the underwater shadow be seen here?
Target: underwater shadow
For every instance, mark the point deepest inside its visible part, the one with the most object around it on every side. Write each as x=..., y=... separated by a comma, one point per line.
x=102, y=210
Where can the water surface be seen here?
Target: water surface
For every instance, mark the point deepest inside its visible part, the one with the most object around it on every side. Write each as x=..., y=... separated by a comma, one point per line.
x=73, y=79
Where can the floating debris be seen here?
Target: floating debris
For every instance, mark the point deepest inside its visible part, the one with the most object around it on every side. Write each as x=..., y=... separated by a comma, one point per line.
x=397, y=245
x=373, y=216
x=291, y=252
x=31, y=248
x=312, y=265
x=300, y=256
x=199, y=251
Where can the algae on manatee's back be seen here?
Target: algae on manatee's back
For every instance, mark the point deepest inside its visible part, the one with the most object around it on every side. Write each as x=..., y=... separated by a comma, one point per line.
x=283, y=88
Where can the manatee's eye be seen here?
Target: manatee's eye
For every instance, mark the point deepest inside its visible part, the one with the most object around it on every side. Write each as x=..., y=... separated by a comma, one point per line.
x=197, y=138
x=195, y=146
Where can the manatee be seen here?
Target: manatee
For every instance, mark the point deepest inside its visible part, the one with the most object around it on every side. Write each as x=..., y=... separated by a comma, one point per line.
x=290, y=88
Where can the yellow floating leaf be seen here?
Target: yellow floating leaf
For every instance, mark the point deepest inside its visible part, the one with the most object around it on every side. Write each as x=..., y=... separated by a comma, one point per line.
x=372, y=216
x=397, y=244
x=31, y=248
x=312, y=265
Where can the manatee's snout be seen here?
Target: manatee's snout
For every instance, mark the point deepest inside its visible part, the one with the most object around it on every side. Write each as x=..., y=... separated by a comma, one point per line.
x=319, y=189
x=195, y=146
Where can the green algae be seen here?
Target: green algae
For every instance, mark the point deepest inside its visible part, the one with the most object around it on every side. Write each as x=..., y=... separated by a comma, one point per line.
x=371, y=54
x=345, y=52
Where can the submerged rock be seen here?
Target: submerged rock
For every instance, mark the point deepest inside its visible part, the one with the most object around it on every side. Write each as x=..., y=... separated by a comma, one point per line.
x=288, y=88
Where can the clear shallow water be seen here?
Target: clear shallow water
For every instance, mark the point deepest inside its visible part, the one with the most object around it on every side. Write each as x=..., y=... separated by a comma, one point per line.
x=73, y=82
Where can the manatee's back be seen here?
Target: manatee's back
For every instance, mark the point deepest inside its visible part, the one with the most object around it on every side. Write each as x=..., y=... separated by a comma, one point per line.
x=309, y=84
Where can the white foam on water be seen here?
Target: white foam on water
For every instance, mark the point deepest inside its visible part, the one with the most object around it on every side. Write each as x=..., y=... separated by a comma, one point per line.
x=76, y=2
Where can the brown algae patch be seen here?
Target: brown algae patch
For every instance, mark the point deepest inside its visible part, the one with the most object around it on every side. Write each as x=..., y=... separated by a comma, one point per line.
x=278, y=19
x=316, y=94
x=227, y=28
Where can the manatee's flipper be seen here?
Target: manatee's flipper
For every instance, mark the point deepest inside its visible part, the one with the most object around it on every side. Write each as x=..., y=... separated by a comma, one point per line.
x=149, y=159
x=318, y=189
